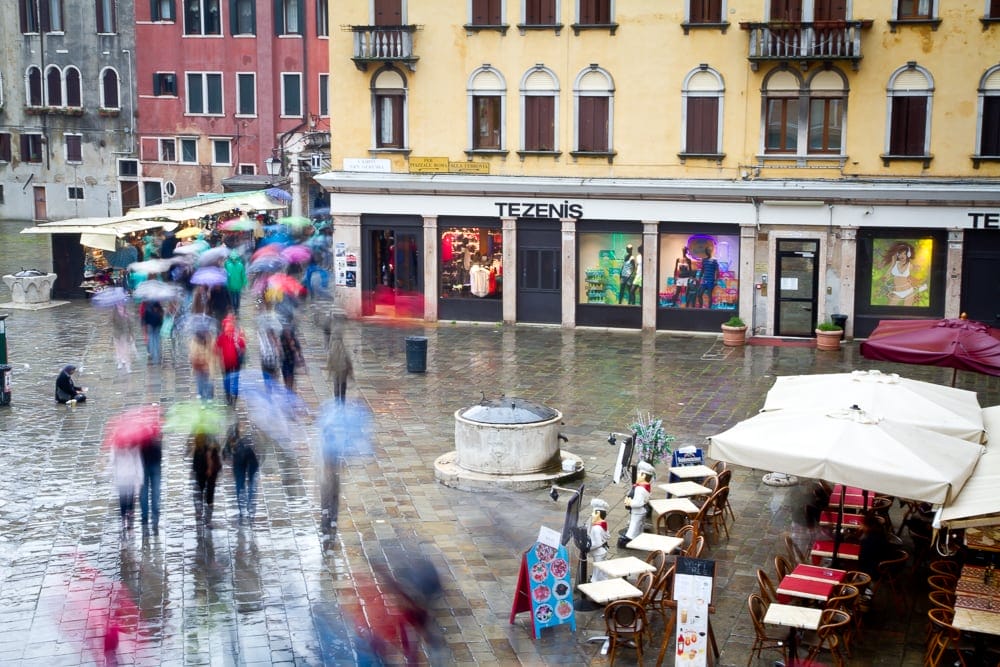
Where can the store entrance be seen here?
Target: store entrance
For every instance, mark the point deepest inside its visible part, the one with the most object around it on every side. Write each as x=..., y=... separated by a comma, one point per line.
x=394, y=285
x=797, y=282
x=539, y=275
x=980, y=283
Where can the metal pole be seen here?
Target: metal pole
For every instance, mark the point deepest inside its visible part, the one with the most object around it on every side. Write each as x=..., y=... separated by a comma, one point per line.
x=3, y=339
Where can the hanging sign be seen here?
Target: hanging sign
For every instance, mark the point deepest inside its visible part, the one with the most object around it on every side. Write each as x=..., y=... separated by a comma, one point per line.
x=693, y=593
x=544, y=585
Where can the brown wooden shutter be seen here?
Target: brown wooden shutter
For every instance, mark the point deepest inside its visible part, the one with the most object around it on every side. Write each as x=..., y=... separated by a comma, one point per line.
x=994, y=9
x=702, y=125
x=786, y=10
x=486, y=12
x=830, y=10
x=706, y=11
x=909, y=119
x=388, y=12
x=539, y=123
x=595, y=12
x=593, y=118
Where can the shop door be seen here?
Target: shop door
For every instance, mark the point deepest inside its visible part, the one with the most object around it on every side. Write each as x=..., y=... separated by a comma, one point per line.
x=394, y=280
x=981, y=286
x=797, y=283
x=539, y=277
x=41, y=211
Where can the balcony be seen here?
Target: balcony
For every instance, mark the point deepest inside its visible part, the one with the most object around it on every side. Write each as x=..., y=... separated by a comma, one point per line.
x=805, y=42
x=383, y=44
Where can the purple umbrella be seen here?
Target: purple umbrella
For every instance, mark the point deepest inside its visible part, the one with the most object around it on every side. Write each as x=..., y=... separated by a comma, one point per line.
x=209, y=275
x=296, y=253
x=109, y=297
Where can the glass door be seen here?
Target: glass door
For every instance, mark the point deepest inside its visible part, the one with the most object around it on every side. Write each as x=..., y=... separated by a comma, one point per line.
x=797, y=284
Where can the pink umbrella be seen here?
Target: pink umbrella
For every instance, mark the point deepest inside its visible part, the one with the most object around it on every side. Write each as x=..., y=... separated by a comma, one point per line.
x=268, y=250
x=296, y=254
x=133, y=427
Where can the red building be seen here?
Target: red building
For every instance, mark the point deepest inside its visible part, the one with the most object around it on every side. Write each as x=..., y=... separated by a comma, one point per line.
x=232, y=94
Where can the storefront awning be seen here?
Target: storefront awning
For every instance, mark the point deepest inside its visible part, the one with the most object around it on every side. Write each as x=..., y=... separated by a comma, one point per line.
x=978, y=503
x=100, y=232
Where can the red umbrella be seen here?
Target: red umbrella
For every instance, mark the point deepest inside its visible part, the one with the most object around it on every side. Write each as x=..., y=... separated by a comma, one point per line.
x=960, y=344
x=134, y=427
x=283, y=282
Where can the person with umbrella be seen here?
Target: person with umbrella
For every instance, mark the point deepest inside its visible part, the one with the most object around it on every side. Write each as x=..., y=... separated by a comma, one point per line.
x=338, y=362
x=206, y=463
x=152, y=320
x=231, y=345
x=201, y=354
x=344, y=430
x=122, y=337
x=126, y=465
x=245, y=466
x=236, y=279
x=291, y=354
x=151, y=455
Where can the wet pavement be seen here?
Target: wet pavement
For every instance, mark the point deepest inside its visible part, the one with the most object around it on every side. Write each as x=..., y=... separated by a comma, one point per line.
x=272, y=591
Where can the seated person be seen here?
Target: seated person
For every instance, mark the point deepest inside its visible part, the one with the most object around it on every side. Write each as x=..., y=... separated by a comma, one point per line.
x=66, y=389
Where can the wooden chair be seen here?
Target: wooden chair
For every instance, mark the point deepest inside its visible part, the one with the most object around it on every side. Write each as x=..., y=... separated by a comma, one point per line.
x=890, y=573
x=946, y=566
x=830, y=636
x=942, y=599
x=700, y=520
x=767, y=589
x=661, y=598
x=710, y=483
x=625, y=621
x=858, y=579
x=696, y=548
x=763, y=640
x=847, y=598
x=658, y=559
x=795, y=554
x=942, y=582
x=944, y=637
x=645, y=582
x=782, y=567
x=687, y=535
x=724, y=478
x=881, y=506
x=716, y=513
x=719, y=467
x=670, y=522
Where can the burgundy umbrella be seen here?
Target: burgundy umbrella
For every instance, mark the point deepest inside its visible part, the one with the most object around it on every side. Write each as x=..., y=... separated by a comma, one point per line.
x=960, y=344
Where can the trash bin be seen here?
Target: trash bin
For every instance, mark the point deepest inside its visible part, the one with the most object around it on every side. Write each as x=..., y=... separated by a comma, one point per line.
x=839, y=320
x=416, y=354
x=6, y=370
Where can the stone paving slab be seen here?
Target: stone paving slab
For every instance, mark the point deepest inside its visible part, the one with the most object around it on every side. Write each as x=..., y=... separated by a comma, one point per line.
x=260, y=593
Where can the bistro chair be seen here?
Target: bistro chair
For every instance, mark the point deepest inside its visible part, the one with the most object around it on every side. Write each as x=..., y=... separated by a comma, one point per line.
x=710, y=483
x=890, y=573
x=716, y=514
x=763, y=640
x=719, y=467
x=687, y=535
x=724, y=478
x=942, y=582
x=767, y=589
x=830, y=636
x=625, y=621
x=942, y=599
x=880, y=507
x=847, y=598
x=782, y=567
x=946, y=566
x=660, y=599
x=794, y=552
x=696, y=548
x=670, y=522
x=944, y=637
x=657, y=559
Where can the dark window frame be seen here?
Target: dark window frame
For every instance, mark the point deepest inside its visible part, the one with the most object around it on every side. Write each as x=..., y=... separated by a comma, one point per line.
x=196, y=24
x=165, y=84
x=241, y=93
x=74, y=147
x=5, y=147
x=908, y=125
x=157, y=13
x=32, y=149
x=702, y=125
x=488, y=108
x=397, y=100
x=107, y=21
x=237, y=25
x=788, y=105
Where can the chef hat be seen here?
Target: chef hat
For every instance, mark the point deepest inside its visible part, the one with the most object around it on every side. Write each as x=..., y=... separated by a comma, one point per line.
x=598, y=504
x=646, y=468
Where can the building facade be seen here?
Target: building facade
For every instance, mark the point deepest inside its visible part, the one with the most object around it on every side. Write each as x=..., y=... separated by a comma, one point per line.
x=642, y=165
x=67, y=106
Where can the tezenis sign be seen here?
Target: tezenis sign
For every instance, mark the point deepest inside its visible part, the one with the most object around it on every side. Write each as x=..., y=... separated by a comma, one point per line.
x=985, y=220
x=539, y=210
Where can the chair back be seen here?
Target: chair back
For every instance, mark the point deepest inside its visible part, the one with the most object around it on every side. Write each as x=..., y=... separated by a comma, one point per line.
x=625, y=618
x=942, y=582
x=719, y=467
x=942, y=599
x=670, y=522
x=941, y=621
x=686, y=534
x=894, y=564
x=724, y=477
x=832, y=624
x=696, y=548
x=782, y=567
x=845, y=598
x=644, y=582
x=795, y=554
x=858, y=579
x=758, y=607
x=767, y=589
x=657, y=559
x=946, y=566
x=710, y=483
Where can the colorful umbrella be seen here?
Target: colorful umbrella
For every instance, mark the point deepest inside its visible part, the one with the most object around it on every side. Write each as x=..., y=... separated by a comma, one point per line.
x=267, y=264
x=189, y=232
x=200, y=322
x=345, y=429
x=284, y=283
x=209, y=275
x=296, y=253
x=269, y=250
x=109, y=297
x=215, y=255
x=295, y=221
x=151, y=266
x=243, y=224
x=278, y=194
x=156, y=290
x=195, y=417
x=135, y=426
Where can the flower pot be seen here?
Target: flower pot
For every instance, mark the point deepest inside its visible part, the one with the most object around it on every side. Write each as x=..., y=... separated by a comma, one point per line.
x=734, y=336
x=828, y=340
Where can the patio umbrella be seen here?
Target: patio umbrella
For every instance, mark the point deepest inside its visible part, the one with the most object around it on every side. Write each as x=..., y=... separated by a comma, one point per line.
x=960, y=344
x=109, y=297
x=954, y=412
x=156, y=290
x=134, y=426
x=209, y=275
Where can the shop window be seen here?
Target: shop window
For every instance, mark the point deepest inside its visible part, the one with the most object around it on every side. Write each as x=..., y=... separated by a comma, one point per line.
x=110, y=98
x=74, y=148
x=471, y=263
x=487, y=102
x=246, y=94
x=201, y=17
x=540, y=12
x=910, y=91
x=539, y=94
x=901, y=272
x=389, y=109
x=242, y=17
x=165, y=84
x=107, y=20
x=989, y=117
x=610, y=268
x=487, y=12
x=702, y=99
x=704, y=11
x=699, y=271
x=594, y=93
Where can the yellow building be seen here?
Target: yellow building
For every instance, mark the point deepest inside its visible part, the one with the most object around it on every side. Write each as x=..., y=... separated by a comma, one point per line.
x=666, y=165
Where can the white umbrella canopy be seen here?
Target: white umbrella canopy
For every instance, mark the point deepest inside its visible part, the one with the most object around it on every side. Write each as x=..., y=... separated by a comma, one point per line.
x=954, y=412
x=851, y=448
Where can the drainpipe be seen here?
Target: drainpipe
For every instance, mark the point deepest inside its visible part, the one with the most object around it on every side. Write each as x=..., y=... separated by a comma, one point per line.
x=129, y=130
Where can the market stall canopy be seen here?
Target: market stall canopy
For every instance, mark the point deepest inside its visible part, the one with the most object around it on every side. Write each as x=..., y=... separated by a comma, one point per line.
x=100, y=232
x=978, y=504
x=935, y=407
x=851, y=448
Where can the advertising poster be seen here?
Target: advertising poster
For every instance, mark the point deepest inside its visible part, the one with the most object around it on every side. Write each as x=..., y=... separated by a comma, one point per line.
x=901, y=270
x=340, y=265
x=693, y=592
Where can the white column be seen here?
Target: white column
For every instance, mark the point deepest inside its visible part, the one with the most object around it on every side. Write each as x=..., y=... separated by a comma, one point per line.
x=650, y=269
x=509, y=270
x=953, y=286
x=431, y=245
x=847, y=271
x=569, y=277
x=347, y=230
x=748, y=295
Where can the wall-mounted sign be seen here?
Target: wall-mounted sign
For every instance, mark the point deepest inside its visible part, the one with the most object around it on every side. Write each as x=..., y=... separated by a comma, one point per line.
x=381, y=165
x=511, y=209
x=469, y=167
x=985, y=220
x=428, y=165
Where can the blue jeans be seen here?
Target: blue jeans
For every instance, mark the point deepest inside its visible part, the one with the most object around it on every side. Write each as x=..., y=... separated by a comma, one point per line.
x=324, y=277
x=231, y=384
x=149, y=494
x=205, y=386
x=246, y=485
x=153, y=344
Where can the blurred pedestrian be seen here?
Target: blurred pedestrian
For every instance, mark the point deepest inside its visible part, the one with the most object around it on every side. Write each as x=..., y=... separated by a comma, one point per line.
x=270, y=354
x=201, y=353
x=152, y=320
x=66, y=389
x=231, y=345
x=206, y=463
x=291, y=355
x=236, y=279
x=151, y=454
x=245, y=466
x=345, y=431
x=339, y=367
x=122, y=337
x=126, y=465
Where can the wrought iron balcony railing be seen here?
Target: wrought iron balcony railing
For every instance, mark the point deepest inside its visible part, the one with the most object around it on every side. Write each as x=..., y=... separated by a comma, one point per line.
x=828, y=40
x=383, y=43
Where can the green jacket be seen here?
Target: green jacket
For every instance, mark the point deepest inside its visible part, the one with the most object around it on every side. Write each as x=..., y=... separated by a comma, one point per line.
x=236, y=272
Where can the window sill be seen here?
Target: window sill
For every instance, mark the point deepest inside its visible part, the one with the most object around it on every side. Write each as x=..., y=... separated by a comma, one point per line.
x=834, y=160
x=925, y=159
x=723, y=26
x=987, y=21
x=610, y=155
x=718, y=157
x=979, y=159
x=469, y=152
x=577, y=27
x=390, y=151
x=471, y=28
x=902, y=23
x=553, y=154
x=525, y=27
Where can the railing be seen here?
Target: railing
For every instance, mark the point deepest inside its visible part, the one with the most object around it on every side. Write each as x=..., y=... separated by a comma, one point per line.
x=383, y=44
x=834, y=40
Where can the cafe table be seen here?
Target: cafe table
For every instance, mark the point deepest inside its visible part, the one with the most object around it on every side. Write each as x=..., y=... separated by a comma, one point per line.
x=824, y=549
x=623, y=567
x=827, y=574
x=794, y=618
x=698, y=471
x=983, y=538
x=655, y=542
x=977, y=603
x=664, y=505
x=849, y=520
x=685, y=489
x=814, y=583
x=603, y=592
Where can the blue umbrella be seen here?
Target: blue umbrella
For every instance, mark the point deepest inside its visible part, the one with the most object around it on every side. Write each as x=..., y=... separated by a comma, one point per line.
x=267, y=264
x=109, y=297
x=345, y=429
x=209, y=275
x=278, y=194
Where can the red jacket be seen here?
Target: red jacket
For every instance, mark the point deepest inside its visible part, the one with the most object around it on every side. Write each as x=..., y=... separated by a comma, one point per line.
x=231, y=345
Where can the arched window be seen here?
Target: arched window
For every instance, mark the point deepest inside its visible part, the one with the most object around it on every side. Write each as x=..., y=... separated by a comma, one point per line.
x=539, y=109
x=110, y=98
x=827, y=112
x=782, y=92
x=594, y=96
x=988, y=141
x=389, y=108
x=487, y=93
x=74, y=93
x=33, y=86
x=53, y=86
x=702, y=112
x=910, y=93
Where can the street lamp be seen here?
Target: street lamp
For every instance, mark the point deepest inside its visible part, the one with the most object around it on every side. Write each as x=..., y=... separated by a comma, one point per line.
x=273, y=165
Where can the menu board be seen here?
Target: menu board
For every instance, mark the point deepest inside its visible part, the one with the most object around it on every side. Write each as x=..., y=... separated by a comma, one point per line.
x=545, y=582
x=693, y=592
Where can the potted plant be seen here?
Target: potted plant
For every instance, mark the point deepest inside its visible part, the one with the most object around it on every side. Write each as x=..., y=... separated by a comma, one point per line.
x=652, y=442
x=828, y=336
x=734, y=332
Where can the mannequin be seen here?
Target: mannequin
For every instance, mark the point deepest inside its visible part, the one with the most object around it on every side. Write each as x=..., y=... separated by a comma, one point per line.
x=637, y=501
x=636, y=287
x=598, y=536
x=682, y=276
x=709, y=275
x=627, y=274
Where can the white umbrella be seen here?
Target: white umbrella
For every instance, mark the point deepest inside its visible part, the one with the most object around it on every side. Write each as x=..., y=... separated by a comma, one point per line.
x=151, y=266
x=215, y=255
x=947, y=410
x=850, y=448
x=155, y=290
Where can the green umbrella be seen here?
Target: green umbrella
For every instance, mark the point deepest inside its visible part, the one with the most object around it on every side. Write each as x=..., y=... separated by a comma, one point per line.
x=196, y=417
x=295, y=221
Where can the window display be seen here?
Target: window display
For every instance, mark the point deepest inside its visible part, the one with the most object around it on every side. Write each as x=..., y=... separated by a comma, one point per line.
x=471, y=263
x=611, y=269
x=901, y=272
x=699, y=271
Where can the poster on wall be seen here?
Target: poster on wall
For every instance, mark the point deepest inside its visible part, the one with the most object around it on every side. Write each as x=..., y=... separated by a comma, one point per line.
x=340, y=265
x=901, y=270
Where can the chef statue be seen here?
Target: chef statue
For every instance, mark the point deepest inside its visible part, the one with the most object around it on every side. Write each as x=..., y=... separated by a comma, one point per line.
x=637, y=501
x=598, y=536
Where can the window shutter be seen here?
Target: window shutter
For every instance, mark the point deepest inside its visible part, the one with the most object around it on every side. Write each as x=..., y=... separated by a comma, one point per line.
x=234, y=23
x=994, y=9
x=706, y=11
x=539, y=123
x=702, y=125
x=990, y=143
x=45, y=18
x=830, y=10
x=486, y=12
x=909, y=115
x=25, y=148
x=593, y=118
x=73, y=93
x=279, y=17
